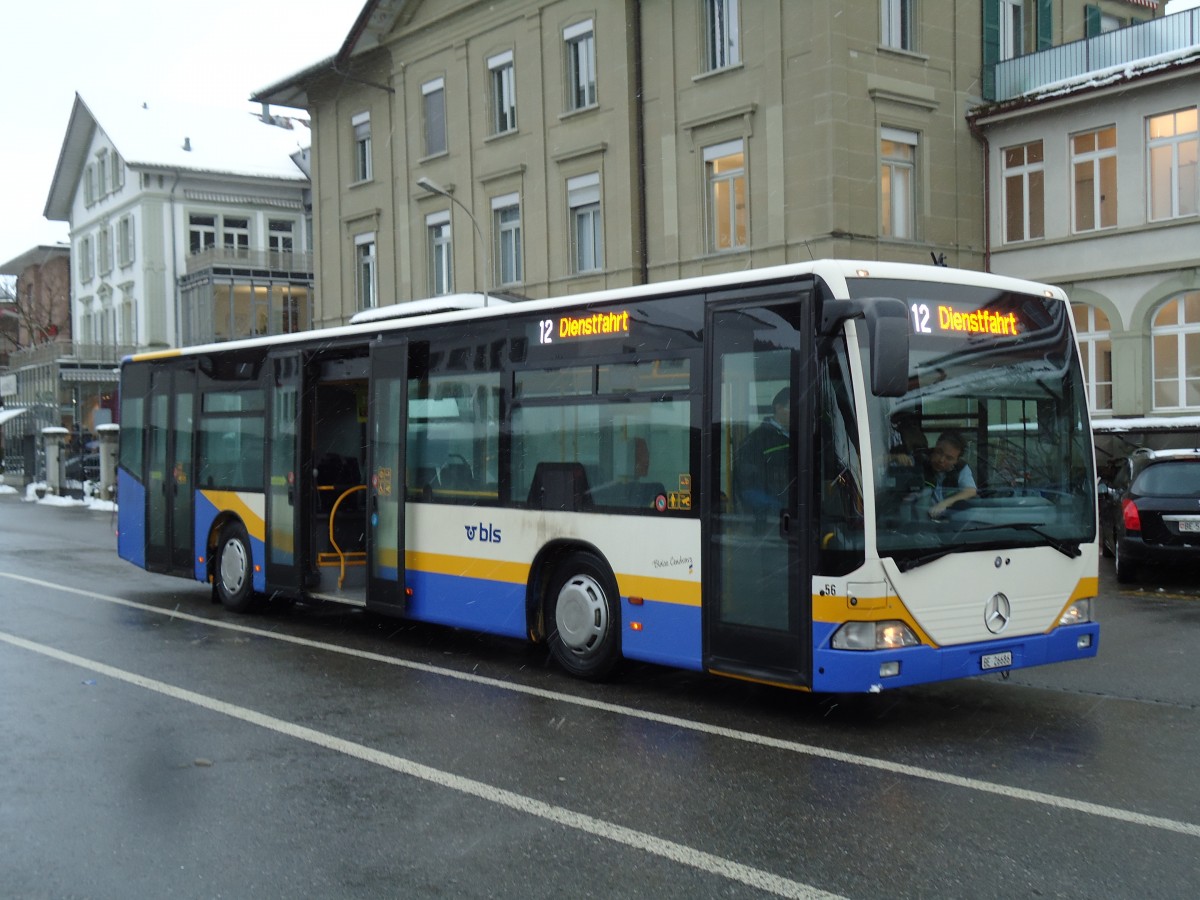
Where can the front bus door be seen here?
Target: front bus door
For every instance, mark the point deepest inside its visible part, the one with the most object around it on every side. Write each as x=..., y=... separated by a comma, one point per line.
x=387, y=421
x=756, y=616
x=286, y=540
x=169, y=487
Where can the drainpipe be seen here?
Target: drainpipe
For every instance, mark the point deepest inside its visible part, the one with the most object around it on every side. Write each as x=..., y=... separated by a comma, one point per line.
x=174, y=265
x=639, y=113
x=978, y=134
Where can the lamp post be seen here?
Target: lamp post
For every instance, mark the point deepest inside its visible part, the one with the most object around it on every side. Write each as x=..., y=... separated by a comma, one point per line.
x=433, y=187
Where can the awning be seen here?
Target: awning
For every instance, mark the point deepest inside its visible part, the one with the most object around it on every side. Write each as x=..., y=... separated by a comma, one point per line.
x=90, y=376
x=10, y=412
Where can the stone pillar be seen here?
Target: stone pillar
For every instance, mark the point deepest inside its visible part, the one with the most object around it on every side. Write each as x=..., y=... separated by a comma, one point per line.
x=107, y=435
x=53, y=440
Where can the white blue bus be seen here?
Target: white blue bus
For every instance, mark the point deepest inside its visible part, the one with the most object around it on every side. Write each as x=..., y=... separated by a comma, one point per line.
x=728, y=474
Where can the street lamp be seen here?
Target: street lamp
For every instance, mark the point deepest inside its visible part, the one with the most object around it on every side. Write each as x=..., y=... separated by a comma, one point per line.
x=427, y=184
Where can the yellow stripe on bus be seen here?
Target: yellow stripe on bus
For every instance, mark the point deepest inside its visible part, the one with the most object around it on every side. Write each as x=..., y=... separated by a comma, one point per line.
x=231, y=501
x=663, y=590
x=156, y=354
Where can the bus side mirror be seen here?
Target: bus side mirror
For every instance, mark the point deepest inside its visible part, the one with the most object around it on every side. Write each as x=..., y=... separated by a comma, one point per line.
x=887, y=325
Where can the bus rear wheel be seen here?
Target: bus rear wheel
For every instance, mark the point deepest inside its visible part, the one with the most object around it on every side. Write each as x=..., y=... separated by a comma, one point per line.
x=583, y=612
x=233, y=576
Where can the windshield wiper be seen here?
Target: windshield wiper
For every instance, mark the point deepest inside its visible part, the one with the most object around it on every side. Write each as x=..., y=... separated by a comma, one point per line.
x=1069, y=549
x=913, y=562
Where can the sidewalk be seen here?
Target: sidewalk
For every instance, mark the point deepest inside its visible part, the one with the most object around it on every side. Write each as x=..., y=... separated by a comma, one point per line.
x=30, y=495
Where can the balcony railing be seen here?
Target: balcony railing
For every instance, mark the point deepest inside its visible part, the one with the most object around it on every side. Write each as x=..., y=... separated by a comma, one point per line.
x=65, y=351
x=235, y=258
x=1167, y=35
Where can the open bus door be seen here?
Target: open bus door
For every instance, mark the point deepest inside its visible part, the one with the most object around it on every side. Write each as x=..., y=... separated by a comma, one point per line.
x=387, y=422
x=757, y=612
x=286, y=539
x=170, y=496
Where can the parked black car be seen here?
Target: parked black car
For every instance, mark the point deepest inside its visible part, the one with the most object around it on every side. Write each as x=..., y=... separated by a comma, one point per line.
x=82, y=468
x=1150, y=511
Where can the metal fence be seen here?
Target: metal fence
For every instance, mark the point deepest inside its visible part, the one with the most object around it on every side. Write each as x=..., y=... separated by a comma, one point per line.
x=1111, y=50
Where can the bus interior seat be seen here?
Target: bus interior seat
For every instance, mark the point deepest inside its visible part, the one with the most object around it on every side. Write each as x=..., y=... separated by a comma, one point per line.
x=559, y=485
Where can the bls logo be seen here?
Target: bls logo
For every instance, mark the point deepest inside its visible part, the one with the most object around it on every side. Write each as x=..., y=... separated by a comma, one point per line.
x=488, y=534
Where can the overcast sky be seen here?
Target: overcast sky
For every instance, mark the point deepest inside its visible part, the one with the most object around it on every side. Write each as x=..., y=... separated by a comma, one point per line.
x=213, y=53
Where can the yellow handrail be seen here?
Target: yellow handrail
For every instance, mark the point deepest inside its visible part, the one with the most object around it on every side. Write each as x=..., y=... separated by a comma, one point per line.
x=333, y=515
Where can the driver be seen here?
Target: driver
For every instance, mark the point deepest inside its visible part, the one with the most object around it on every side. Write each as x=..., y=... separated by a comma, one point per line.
x=946, y=473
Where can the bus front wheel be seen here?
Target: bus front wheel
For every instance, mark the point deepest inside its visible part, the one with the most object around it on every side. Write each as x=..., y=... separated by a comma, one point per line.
x=584, y=616
x=233, y=576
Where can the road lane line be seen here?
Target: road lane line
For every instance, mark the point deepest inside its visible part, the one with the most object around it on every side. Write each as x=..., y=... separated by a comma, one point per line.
x=974, y=784
x=691, y=857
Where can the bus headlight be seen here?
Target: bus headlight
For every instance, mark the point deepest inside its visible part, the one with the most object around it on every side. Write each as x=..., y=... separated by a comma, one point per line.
x=1077, y=613
x=890, y=635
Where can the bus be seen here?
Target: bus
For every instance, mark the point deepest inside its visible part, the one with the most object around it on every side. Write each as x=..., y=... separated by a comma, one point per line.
x=730, y=474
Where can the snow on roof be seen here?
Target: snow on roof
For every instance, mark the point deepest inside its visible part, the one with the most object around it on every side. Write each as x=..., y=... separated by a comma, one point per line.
x=1113, y=74
x=197, y=138
x=1151, y=423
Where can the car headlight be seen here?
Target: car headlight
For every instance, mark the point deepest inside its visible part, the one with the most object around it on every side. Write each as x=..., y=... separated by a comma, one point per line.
x=1077, y=613
x=889, y=635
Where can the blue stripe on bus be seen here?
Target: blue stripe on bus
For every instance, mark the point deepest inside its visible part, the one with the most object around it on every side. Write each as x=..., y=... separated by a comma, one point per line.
x=670, y=634
x=476, y=603
x=131, y=532
x=858, y=670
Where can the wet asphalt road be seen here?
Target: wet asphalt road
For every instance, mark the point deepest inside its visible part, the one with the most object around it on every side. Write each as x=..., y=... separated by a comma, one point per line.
x=152, y=745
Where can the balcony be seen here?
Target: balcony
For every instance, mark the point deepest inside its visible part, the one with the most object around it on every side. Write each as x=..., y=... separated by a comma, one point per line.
x=1168, y=36
x=231, y=259
x=65, y=352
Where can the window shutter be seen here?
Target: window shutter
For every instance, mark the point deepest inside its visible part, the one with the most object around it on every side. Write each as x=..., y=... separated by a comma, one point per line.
x=1045, y=24
x=1092, y=23
x=991, y=46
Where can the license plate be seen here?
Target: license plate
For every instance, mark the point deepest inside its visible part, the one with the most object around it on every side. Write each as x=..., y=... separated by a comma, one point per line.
x=996, y=660
x=1191, y=525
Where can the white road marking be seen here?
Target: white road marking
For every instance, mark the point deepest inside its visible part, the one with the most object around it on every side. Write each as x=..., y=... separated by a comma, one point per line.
x=637, y=840
x=974, y=784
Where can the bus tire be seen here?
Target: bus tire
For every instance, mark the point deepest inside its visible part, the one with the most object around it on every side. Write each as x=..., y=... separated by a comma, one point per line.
x=234, y=573
x=583, y=615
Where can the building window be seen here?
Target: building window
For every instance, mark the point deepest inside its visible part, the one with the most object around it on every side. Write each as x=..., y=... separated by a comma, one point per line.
x=506, y=223
x=722, y=36
x=118, y=172
x=441, y=253
x=1024, y=192
x=504, y=93
x=362, y=146
x=87, y=260
x=1012, y=28
x=235, y=235
x=725, y=178
x=102, y=172
x=897, y=179
x=89, y=186
x=105, y=250
x=125, y=248
x=1095, y=349
x=280, y=235
x=1094, y=179
x=433, y=100
x=1175, y=342
x=580, y=41
x=1171, y=147
x=897, y=26
x=202, y=232
x=587, y=235
x=366, y=286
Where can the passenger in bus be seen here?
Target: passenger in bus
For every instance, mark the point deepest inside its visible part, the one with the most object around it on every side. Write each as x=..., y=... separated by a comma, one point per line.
x=762, y=473
x=946, y=474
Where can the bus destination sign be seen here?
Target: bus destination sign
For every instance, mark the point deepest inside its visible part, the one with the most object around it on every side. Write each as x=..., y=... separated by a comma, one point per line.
x=582, y=326
x=943, y=318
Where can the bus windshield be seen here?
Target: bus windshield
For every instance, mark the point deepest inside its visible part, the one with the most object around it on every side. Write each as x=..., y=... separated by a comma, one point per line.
x=989, y=447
